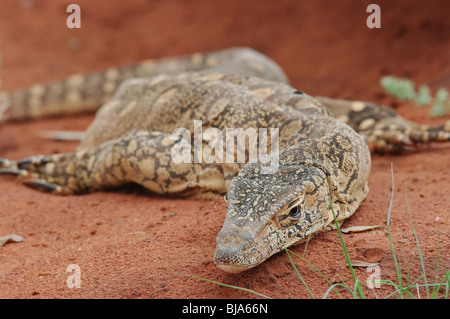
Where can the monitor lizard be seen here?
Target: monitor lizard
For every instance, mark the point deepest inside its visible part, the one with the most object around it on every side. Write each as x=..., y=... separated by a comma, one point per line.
x=324, y=158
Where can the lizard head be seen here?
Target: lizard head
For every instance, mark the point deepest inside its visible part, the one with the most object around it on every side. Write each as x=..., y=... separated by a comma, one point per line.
x=269, y=212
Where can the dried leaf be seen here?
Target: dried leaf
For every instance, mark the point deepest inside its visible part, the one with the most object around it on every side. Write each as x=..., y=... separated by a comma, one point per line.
x=356, y=229
x=13, y=237
x=358, y=263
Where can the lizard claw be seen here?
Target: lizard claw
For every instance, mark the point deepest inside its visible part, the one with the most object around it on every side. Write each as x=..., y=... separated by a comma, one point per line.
x=13, y=171
x=28, y=162
x=34, y=162
x=8, y=167
x=43, y=186
x=396, y=134
x=39, y=172
x=5, y=163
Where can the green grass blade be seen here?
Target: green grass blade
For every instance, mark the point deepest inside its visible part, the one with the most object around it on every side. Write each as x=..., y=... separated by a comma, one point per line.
x=316, y=269
x=417, y=242
x=388, y=223
x=298, y=274
x=345, y=249
x=357, y=289
x=444, y=281
x=325, y=295
x=226, y=285
x=434, y=293
x=295, y=268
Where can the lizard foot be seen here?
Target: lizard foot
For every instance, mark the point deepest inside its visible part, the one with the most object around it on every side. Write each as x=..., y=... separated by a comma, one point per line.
x=43, y=186
x=51, y=174
x=396, y=134
x=8, y=167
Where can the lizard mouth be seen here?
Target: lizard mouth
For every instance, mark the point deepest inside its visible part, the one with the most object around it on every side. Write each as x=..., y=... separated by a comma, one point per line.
x=234, y=269
x=236, y=260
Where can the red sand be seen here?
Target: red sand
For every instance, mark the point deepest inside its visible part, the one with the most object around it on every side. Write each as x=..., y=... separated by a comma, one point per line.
x=133, y=246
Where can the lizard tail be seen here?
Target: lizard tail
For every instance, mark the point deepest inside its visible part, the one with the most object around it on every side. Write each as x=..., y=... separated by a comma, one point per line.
x=75, y=94
x=86, y=93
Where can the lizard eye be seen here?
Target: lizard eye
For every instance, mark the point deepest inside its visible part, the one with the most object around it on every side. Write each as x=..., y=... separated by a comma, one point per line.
x=291, y=215
x=295, y=212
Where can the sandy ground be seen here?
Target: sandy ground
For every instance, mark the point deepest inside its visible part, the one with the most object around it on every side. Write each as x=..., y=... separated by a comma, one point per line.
x=133, y=246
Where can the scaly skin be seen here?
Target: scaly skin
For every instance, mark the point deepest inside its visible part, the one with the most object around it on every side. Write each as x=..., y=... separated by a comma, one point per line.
x=320, y=158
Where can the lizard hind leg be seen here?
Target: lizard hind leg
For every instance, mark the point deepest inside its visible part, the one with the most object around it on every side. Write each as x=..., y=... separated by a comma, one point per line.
x=85, y=171
x=141, y=157
x=384, y=130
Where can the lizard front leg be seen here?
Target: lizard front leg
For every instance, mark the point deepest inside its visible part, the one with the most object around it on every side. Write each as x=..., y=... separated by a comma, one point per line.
x=141, y=157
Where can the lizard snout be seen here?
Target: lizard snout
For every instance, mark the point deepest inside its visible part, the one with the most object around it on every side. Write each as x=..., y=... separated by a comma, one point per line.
x=235, y=251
